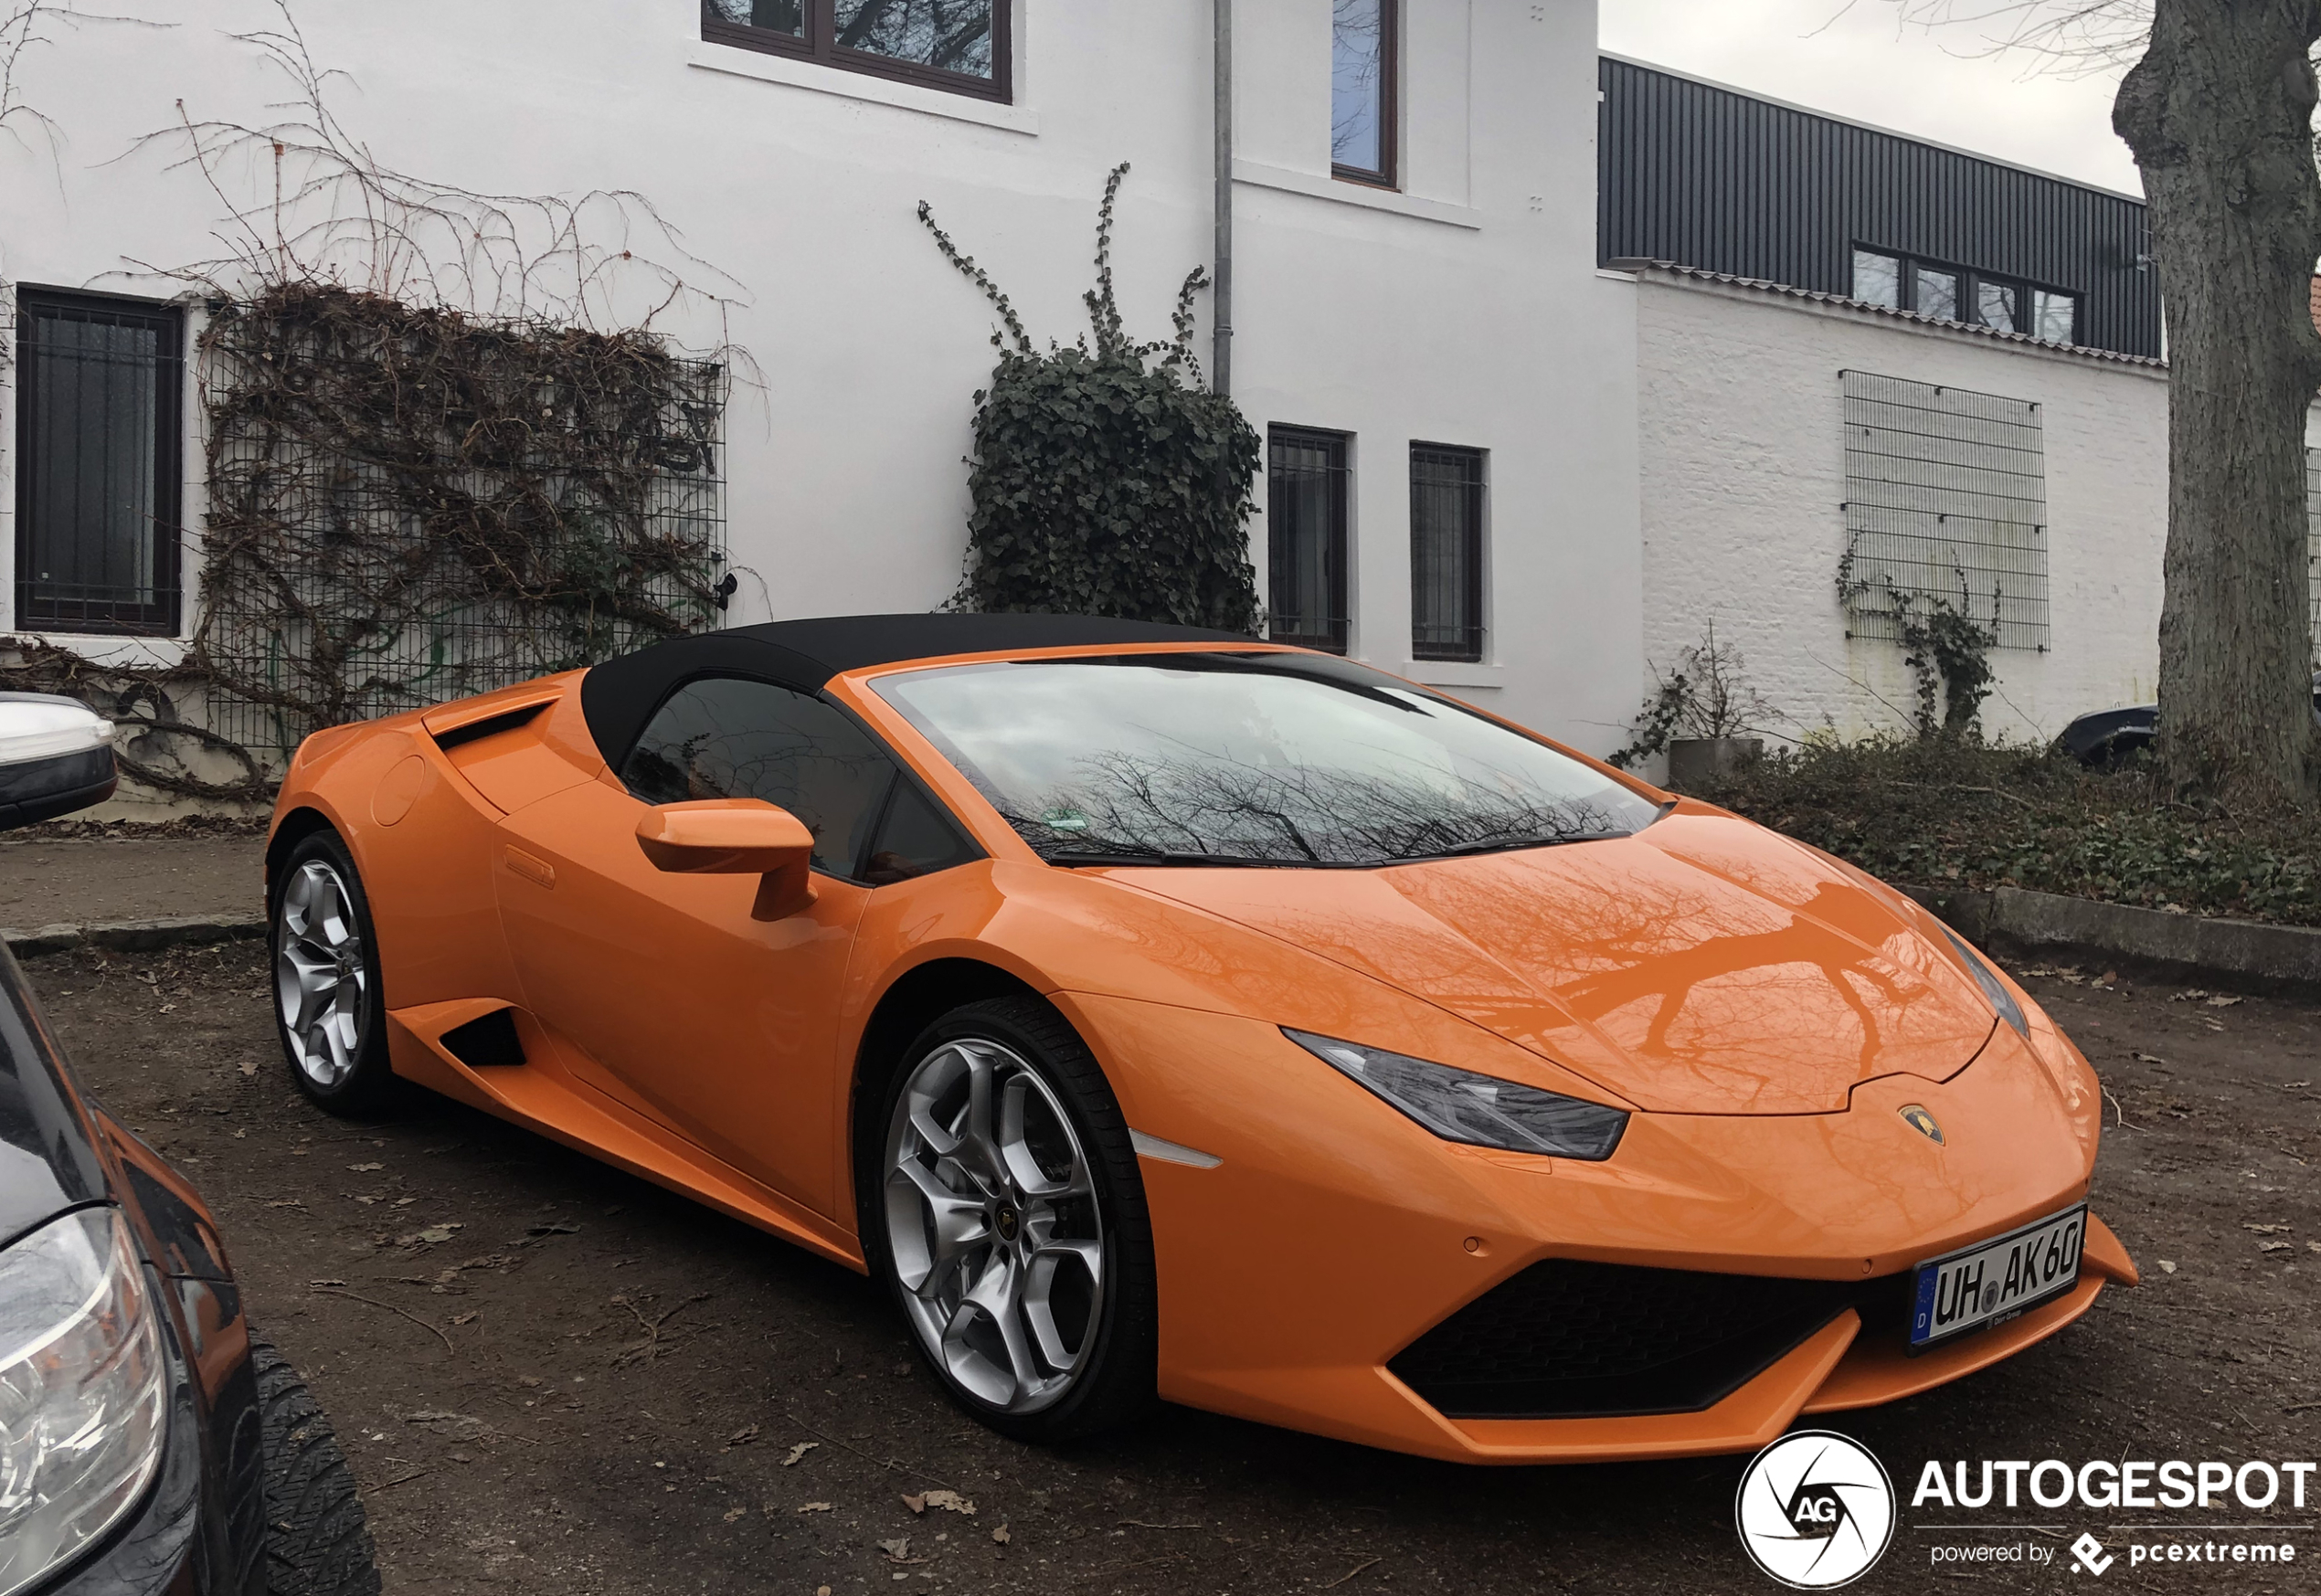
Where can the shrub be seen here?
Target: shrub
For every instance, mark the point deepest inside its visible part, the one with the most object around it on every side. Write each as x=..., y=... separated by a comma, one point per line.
x=1963, y=814
x=1107, y=480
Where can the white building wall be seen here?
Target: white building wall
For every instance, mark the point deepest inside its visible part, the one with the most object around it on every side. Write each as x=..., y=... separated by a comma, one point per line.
x=1742, y=473
x=1465, y=310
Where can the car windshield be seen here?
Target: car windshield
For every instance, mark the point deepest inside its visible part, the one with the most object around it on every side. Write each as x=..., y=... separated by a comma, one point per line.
x=1249, y=758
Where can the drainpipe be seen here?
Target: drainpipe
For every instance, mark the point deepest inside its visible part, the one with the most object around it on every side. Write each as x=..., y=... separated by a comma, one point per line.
x=1221, y=354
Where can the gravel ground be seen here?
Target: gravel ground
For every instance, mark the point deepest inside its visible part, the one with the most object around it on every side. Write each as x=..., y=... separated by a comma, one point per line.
x=553, y=1378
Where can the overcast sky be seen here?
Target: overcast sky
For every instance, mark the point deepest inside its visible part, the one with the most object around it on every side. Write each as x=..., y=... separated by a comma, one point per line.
x=1858, y=62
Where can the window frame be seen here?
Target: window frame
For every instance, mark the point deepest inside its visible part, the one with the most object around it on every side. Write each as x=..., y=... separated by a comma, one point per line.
x=2028, y=292
x=163, y=616
x=1390, y=96
x=1336, y=636
x=820, y=45
x=1476, y=535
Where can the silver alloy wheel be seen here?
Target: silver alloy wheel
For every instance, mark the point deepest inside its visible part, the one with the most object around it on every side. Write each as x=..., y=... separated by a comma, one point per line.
x=994, y=1225
x=320, y=984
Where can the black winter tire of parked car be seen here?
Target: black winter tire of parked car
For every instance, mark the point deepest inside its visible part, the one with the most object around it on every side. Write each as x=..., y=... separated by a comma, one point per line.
x=318, y=1542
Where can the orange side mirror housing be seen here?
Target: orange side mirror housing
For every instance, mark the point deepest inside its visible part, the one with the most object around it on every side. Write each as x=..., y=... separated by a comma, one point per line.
x=735, y=837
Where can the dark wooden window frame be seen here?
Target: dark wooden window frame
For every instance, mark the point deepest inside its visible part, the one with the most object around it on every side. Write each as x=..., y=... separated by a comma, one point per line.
x=1470, y=648
x=1907, y=266
x=1335, y=636
x=159, y=618
x=1390, y=98
x=820, y=46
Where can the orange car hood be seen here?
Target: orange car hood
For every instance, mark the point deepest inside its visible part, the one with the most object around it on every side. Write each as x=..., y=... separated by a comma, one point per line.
x=1704, y=966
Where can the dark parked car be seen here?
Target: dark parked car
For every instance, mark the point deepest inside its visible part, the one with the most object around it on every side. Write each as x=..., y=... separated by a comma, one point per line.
x=2103, y=738
x=151, y=1440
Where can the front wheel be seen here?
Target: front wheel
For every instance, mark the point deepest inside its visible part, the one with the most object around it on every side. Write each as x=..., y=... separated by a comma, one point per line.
x=329, y=1008
x=1008, y=1218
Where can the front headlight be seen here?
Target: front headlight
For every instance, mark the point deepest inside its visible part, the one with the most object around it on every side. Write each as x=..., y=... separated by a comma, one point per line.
x=1993, y=988
x=1484, y=1111
x=82, y=1390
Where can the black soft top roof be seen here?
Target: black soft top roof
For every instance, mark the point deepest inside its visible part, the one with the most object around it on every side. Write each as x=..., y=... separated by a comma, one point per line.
x=619, y=695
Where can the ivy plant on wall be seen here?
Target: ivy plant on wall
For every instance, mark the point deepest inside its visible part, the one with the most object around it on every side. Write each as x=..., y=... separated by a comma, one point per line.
x=1108, y=478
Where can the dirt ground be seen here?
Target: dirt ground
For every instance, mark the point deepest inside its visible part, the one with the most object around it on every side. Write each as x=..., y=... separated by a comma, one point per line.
x=96, y=877
x=553, y=1378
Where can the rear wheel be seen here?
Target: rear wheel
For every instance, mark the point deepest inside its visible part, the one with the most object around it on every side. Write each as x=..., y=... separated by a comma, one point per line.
x=1008, y=1218
x=328, y=1007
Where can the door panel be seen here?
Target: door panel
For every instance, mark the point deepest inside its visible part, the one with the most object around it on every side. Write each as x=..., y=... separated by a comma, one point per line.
x=721, y=1027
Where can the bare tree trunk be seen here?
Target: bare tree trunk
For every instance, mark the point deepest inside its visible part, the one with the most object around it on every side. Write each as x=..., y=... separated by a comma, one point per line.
x=2219, y=115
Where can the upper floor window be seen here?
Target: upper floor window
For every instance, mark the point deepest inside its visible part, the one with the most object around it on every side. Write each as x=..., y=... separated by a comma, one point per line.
x=1363, y=90
x=959, y=45
x=1947, y=294
x=98, y=421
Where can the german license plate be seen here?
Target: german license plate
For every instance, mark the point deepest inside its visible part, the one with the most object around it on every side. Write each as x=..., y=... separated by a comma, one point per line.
x=1993, y=1280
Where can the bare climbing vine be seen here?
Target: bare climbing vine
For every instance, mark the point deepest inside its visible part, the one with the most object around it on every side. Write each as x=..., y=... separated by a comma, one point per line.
x=447, y=446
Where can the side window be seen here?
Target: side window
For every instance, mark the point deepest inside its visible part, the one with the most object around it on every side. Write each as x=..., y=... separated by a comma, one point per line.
x=916, y=838
x=727, y=737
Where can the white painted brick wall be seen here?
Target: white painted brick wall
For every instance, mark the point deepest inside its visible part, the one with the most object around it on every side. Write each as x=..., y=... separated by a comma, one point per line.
x=1739, y=422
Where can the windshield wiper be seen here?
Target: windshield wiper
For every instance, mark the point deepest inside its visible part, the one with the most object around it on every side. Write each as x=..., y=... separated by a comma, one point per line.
x=1135, y=856
x=1508, y=844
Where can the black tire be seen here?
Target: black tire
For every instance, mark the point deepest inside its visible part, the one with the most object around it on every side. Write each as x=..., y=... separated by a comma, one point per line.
x=1113, y=1380
x=317, y=1542
x=368, y=1086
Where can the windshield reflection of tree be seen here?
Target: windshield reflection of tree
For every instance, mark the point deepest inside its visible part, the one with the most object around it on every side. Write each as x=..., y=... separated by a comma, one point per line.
x=1295, y=813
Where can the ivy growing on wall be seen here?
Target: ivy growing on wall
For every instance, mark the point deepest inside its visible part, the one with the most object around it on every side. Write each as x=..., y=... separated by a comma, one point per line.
x=1106, y=478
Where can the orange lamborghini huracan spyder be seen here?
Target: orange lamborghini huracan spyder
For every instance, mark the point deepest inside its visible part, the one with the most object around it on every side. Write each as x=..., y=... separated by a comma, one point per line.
x=1158, y=1013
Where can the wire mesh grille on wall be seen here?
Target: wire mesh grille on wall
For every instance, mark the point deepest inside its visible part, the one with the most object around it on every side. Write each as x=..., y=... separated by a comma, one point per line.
x=408, y=505
x=2313, y=544
x=1945, y=506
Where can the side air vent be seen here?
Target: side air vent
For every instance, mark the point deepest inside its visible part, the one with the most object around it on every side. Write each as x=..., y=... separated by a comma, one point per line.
x=482, y=1043
x=489, y=726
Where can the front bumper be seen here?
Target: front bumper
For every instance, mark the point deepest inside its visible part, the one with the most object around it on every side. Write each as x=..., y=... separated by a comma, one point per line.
x=1334, y=1233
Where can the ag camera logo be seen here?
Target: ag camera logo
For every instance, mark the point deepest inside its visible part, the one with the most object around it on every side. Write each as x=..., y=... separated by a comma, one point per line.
x=1815, y=1510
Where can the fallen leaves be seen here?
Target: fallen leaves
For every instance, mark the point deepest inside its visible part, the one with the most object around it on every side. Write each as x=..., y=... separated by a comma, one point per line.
x=734, y=1513
x=949, y=1501
x=431, y=1235
x=797, y=1454
x=816, y=1507
x=365, y=1168
x=2279, y=1229
x=1000, y=1536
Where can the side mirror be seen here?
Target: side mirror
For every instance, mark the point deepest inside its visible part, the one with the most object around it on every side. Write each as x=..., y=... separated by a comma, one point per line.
x=55, y=756
x=735, y=837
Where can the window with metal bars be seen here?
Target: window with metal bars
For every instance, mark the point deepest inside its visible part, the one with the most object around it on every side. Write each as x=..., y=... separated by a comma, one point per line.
x=959, y=45
x=1946, y=505
x=1307, y=494
x=100, y=387
x=1445, y=551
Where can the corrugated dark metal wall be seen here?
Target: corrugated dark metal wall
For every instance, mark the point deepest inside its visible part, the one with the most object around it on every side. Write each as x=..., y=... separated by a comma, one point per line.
x=1706, y=177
